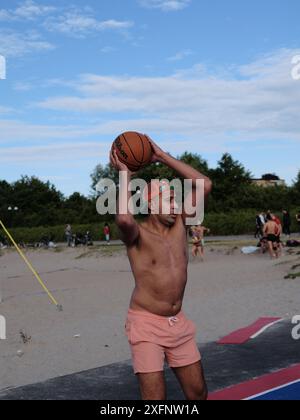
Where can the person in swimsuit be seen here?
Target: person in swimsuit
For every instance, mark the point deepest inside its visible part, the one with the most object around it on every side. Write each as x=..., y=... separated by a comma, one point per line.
x=271, y=231
x=198, y=233
x=156, y=326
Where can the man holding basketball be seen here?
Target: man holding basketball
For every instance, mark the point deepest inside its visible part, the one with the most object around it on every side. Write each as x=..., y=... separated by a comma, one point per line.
x=156, y=326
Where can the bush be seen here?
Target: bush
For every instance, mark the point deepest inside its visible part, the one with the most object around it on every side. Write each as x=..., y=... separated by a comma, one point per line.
x=220, y=223
x=57, y=233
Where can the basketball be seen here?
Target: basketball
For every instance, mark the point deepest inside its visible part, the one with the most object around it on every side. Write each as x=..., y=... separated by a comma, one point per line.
x=133, y=149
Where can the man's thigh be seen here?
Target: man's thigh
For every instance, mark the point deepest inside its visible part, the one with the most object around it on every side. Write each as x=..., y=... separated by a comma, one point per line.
x=152, y=386
x=192, y=381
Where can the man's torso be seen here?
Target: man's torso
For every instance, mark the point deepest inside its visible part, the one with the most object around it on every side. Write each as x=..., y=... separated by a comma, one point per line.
x=159, y=264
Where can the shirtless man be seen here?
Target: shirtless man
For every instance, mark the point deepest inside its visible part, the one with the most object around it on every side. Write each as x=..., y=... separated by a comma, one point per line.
x=272, y=232
x=198, y=233
x=156, y=326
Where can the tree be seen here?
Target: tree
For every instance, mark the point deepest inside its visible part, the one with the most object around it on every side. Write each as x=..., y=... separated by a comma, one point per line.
x=297, y=183
x=102, y=172
x=230, y=180
x=196, y=161
x=38, y=202
x=78, y=209
x=295, y=190
x=5, y=197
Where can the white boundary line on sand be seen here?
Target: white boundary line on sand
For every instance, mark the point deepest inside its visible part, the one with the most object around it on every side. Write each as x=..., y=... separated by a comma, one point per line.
x=265, y=328
x=271, y=390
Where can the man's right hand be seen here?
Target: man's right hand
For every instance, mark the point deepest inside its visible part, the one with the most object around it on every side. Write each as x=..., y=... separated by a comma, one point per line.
x=117, y=164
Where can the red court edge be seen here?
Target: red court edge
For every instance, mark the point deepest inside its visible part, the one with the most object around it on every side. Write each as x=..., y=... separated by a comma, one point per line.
x=243, y=335
x=257, y=386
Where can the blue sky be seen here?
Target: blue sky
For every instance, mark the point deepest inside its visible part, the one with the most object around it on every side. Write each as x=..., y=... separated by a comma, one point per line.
x=204, y=76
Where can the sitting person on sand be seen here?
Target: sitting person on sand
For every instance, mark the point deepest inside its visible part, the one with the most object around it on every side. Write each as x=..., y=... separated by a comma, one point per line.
x=263, y=245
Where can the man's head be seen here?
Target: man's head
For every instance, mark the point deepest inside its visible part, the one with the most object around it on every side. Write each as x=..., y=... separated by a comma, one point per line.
x=160, y=200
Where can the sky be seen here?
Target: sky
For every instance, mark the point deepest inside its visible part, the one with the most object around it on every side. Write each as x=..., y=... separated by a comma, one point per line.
x=204, y=76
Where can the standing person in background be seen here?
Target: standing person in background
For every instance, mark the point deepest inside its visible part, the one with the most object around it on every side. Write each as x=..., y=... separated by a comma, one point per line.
x=259, y=226
x=197, y=233
x=263, y=218
x=106, y=232
x=271, y=231
x=286, y=223
x=68, y=233
x=279, y=224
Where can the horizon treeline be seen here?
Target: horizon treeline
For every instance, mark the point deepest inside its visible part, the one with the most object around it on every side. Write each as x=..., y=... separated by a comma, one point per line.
x=34, y=203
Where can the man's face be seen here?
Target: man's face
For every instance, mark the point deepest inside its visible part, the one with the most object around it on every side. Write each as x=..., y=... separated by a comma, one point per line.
x=164, y=207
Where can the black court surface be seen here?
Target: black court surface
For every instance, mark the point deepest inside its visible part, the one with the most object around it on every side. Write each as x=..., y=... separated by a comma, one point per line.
x=266, y=367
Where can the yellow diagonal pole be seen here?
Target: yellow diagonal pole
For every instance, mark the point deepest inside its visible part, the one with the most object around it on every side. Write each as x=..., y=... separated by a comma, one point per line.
x=29, y=265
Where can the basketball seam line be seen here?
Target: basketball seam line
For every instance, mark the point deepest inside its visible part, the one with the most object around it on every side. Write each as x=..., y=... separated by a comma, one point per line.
x=138, y=161
x=136, y=167
x=129, y=164
x=142, y=146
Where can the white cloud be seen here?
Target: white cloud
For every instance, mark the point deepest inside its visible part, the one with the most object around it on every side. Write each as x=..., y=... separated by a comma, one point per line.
x=72, y=153
x=14, y=44
x=14, y=130
x=5, y=110
x=28, y=10
x=107, y=49
x=70, y=20
x=180, y=55
x=52, y=153
x=259, y=100
x=165, y=5
x=78, y=23
x=22, y=86
x=258, y=103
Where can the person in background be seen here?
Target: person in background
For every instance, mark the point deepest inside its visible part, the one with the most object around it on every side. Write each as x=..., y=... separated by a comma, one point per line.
x=279, y=224
x=197, y=233
x=106, y=232
x=263, y=218
x=263, y=245
x=259, y=221
x=271, y=231
x=286, y=223
x=68, y=233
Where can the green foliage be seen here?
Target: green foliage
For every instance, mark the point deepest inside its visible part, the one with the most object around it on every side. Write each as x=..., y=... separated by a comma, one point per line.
x=57, y=233
x=230, y=181
x=227, y=212
x=101, y=172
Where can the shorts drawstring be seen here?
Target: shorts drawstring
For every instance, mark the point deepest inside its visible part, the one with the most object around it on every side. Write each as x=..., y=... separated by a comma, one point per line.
x=172, y=320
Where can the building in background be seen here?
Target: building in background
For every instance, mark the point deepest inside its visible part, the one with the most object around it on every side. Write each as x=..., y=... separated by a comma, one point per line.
x=269, y=180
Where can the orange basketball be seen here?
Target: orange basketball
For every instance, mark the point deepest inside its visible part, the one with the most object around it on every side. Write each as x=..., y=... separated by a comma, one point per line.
x=133, y=149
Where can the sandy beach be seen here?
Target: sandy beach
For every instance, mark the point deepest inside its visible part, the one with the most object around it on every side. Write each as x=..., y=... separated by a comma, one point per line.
x=225, y=292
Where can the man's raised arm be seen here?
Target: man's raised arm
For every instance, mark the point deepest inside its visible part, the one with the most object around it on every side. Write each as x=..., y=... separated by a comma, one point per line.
x=124, y=219
x=187, y=172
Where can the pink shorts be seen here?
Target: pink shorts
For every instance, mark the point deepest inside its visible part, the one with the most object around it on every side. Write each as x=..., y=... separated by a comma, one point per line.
x=153, y=338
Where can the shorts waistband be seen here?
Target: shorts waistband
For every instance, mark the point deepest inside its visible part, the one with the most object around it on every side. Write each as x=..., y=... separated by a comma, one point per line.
x=147, y=314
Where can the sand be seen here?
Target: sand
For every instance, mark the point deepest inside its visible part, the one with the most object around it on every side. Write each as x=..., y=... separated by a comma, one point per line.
x=227, y=291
